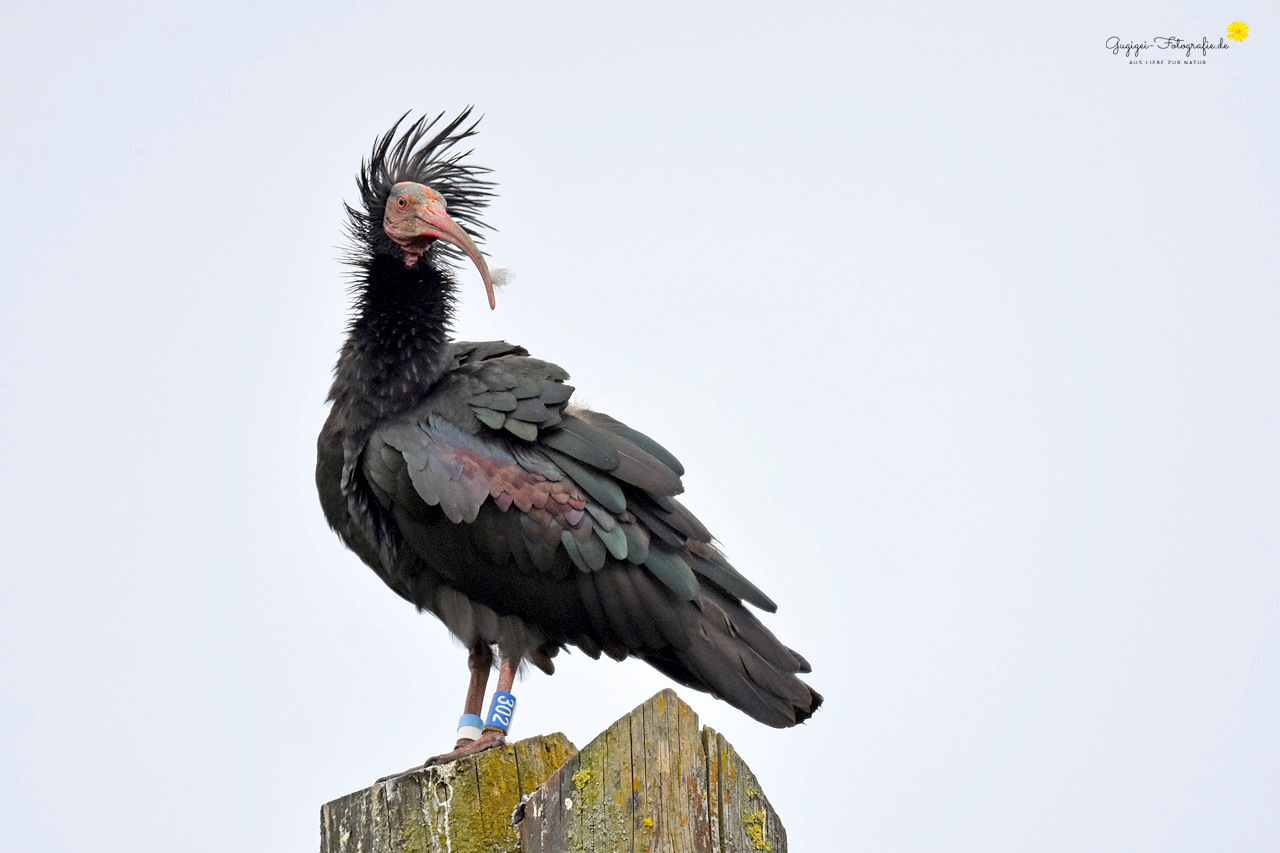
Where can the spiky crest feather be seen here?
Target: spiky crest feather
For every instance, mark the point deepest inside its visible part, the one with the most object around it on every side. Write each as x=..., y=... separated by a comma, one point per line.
x=417, y=156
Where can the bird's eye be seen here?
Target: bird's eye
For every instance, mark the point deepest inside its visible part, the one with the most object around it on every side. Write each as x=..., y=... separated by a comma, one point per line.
x=401, y=203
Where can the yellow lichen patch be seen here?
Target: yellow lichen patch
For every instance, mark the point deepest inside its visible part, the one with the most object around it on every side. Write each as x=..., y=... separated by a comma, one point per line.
x=754, y=825
x=648, y=822
x=582, y=779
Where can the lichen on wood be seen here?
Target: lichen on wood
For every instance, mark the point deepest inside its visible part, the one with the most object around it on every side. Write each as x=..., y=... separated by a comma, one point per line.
x=653, y=782
x=461, y=807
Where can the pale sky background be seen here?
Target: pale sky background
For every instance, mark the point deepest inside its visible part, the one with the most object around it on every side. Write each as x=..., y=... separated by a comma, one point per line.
x=966, y=329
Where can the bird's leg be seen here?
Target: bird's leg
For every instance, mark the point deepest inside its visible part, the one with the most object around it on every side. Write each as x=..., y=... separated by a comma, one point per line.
x=506, y=678
x=491, y=736
x=479, y=662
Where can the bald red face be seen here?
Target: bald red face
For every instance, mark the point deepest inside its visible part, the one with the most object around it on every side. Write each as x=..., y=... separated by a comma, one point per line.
x=415, y=217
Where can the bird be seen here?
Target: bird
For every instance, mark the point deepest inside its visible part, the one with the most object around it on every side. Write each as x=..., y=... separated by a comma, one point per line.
x=472, y=483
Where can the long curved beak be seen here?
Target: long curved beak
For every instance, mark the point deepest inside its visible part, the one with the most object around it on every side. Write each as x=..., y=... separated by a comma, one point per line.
x=441, y=226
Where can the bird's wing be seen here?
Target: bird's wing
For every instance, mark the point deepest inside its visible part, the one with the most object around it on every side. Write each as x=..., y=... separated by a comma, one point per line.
x=567, y=520
x=577, y=489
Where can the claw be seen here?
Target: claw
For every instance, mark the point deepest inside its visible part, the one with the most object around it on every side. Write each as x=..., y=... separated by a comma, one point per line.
x=401, y=773
x=488, y=739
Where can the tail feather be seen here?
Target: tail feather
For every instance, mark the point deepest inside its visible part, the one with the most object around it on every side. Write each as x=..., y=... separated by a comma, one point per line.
x=734, y=657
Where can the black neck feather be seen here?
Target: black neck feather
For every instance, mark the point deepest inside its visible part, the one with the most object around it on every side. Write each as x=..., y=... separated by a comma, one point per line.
x=397, y=346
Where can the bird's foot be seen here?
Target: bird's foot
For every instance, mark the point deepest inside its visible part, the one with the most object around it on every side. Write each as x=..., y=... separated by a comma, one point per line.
x=464, y=747
x=488, y=739
x=401, y=773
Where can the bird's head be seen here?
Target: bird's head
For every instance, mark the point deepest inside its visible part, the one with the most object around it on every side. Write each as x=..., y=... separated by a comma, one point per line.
x=420, y=199
x=416, y=217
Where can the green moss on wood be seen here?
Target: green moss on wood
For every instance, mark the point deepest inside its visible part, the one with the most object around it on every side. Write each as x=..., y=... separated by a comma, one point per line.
x=653, y=780
x=461, y=807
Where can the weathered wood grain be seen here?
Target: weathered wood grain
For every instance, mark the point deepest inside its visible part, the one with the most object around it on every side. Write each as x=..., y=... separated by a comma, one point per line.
x=653, y=782
x=745, y=822
x=463, y=807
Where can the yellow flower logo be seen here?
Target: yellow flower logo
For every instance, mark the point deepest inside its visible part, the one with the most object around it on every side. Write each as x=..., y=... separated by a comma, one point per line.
x=1238, y=31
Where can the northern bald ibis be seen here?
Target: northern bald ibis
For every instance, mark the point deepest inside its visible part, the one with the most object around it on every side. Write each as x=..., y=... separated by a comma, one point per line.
x=466, y=478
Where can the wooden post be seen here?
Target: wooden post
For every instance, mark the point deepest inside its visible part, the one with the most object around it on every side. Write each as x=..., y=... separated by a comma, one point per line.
x=461, y=807
x=653, y=781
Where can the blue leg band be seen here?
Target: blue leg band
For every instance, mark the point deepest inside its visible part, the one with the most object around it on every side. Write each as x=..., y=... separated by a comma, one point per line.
x=500, y=711
x=470, y=726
